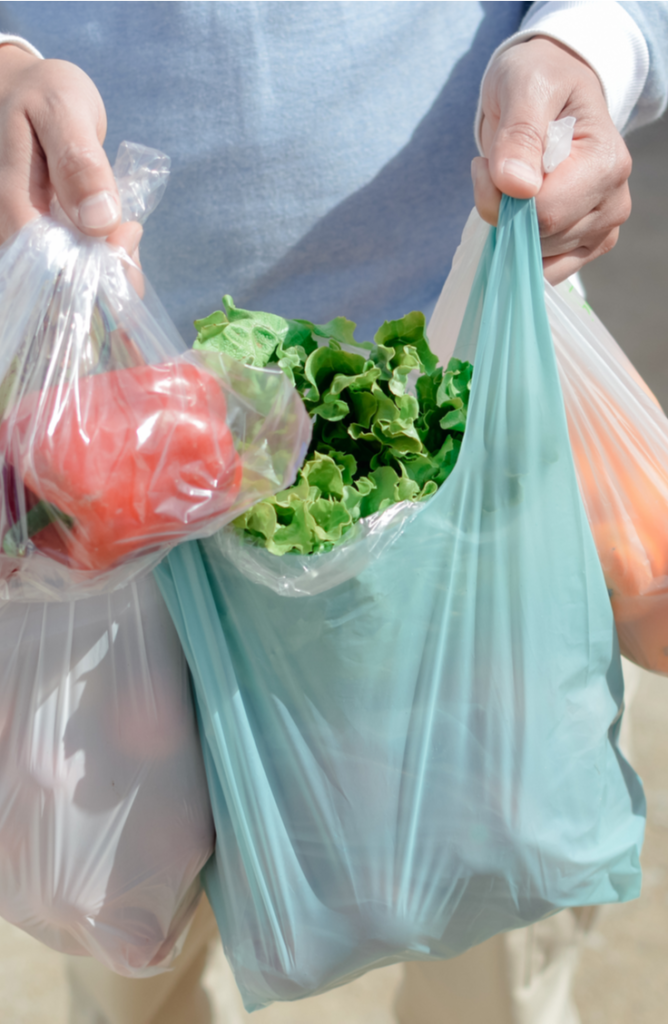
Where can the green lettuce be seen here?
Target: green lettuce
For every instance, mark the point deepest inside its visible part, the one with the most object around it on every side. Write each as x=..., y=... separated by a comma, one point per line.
x=388, y=421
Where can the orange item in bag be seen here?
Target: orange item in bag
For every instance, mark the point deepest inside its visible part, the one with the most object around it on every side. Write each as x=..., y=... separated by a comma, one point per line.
x=619, y=438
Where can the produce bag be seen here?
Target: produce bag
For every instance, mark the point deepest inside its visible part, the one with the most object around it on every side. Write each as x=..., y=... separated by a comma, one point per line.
x=105, y=820
x=116, y=442
x=426, y=753
x=619, y=438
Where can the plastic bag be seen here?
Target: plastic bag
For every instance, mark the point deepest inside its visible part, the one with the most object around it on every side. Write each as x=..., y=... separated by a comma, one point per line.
x=619, y=438
x=105, y=820
x=295, y=575
x=115, y=442
x=426, y=754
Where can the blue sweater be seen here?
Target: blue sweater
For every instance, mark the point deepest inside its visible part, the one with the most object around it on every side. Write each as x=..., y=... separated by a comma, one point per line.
x=320, y=151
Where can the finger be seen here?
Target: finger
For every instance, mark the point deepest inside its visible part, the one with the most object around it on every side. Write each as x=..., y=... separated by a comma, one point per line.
x=24, y=182
x=486, y=194
x=558, y=268
x=515, y=152
x=590, y=231
x=589, y=234
x=589, y=184
x=70, y=125
x=24, y=179
x=127, y=236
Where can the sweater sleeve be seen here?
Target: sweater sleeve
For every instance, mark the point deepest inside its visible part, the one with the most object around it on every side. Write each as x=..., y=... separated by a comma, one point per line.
x=18, y=41
x=652, y=21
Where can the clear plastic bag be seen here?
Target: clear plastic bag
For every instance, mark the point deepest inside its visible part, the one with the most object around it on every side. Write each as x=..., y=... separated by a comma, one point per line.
x=409, y=762
x=105, y=819
x=295, y=575
x=619, y=438
x=115, y=441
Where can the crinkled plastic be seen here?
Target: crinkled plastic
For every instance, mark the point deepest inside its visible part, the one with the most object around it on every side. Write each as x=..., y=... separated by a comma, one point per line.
x=426, y=754
x=294, y=575
x=558, y=143
x=105, y=819
x=619, y=437
x=115, y=442
x=298, y=576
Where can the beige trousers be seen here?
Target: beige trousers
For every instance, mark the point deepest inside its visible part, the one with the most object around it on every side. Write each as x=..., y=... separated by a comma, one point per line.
x=521, y=977
x=98, y=996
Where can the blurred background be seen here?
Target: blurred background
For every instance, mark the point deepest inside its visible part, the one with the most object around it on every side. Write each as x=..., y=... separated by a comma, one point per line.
x=622, y=976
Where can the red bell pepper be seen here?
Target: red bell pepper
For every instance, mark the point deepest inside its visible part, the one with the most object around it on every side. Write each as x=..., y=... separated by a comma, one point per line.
x=128, y=459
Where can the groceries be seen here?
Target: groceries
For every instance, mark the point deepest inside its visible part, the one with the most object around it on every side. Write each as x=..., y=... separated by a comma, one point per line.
x=126, y=458
x=116, y=442
x=388, y=420
x=619, y=437
x=408, y=757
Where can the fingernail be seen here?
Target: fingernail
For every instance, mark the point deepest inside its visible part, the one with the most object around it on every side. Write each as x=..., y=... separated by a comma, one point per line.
x=524, y=172
x=98, y=211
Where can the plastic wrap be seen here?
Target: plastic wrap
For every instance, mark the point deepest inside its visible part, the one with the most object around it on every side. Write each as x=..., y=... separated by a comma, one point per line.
x=412, y=761
x=295, y=575
x=105, y=819
x=115, y=442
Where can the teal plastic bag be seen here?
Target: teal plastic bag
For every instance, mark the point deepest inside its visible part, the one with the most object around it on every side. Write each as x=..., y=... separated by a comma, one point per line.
x=426, y=754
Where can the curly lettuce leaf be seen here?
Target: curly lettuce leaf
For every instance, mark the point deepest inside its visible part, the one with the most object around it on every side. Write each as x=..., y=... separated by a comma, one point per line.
x=375, y=442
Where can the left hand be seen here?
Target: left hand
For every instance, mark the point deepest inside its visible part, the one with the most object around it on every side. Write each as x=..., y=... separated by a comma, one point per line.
x=128, y=236
x=583, y=202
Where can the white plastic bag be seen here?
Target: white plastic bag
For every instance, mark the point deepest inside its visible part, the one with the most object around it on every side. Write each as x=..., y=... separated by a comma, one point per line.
x=116, y=442
x=294, y=575
x=105, y=821
x=619, y=437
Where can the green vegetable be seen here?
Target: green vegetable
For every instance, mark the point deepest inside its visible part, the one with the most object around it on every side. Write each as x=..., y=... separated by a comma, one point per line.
x=376, y=440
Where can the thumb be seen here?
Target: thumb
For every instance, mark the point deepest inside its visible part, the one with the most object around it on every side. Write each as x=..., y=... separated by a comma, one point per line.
x=516, y=153
x=79, y=171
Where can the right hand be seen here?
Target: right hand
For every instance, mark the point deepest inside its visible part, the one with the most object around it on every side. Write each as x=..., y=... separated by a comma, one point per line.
x=52, y=125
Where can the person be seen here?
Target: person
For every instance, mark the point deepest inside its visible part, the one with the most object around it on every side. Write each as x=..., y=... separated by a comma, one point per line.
x=322, y=155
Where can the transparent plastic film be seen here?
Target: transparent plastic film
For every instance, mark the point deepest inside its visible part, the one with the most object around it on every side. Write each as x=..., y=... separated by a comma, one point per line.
x=116, y=442
x=105, y=821
x=619, y=437
x=294, y=575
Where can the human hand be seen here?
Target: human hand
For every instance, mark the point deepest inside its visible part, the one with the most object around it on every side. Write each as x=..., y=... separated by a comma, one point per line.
x=582, y=203
x=52, y=125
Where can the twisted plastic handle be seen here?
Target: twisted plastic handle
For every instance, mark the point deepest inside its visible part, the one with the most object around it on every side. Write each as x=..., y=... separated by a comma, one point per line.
x=141, y=175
